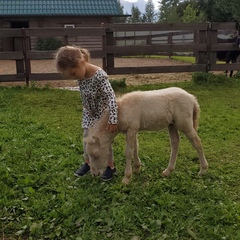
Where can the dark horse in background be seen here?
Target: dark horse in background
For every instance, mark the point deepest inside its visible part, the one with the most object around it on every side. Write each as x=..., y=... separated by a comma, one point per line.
x=230, y=56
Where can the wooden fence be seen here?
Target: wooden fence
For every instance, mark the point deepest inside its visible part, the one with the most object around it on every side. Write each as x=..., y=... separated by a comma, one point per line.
x=203, y=47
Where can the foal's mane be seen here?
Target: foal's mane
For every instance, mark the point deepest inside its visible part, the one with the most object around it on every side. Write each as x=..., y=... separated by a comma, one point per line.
x=102, y=123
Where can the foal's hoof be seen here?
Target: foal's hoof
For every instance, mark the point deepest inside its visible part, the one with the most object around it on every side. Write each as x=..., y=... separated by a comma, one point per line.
x=166, y=173
x=137, y=169
x=126, y=180
x=202, y=172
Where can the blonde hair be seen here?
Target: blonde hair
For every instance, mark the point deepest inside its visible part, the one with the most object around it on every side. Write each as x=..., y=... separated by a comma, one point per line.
x=69, y=56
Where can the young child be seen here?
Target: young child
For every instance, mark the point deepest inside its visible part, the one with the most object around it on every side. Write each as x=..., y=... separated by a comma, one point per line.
x=97, y=96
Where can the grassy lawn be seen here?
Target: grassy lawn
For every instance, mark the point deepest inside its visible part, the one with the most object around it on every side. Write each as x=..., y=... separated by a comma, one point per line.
x=41, y=147
x=188, y=59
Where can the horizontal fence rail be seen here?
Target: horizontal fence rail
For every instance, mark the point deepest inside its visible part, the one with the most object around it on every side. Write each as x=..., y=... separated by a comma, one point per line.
x=115, y=40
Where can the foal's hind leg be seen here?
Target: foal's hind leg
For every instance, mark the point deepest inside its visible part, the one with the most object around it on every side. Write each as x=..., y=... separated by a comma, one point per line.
x=136, y=159
x=196, y=143
x=174, y=140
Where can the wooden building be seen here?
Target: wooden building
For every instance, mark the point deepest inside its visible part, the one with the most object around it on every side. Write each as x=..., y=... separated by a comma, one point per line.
x=54, y=14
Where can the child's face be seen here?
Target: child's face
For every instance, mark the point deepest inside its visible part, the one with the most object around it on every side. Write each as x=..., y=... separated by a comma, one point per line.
x=75, y=72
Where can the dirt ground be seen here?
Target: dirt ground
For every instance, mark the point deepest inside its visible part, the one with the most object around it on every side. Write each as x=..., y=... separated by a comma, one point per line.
x=47, y=66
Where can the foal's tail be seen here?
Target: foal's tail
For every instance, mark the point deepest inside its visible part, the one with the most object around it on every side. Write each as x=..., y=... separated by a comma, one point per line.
x=196, y=114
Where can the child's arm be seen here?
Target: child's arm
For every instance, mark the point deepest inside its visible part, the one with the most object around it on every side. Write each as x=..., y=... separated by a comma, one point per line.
x=112, y=103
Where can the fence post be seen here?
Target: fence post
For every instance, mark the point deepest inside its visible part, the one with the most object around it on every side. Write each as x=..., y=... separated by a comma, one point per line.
x=212, y=39
x=65, y=40
x=201, y=57
x=26, y=48
x=169, y=41
x=18, y=46
x=196, y=41
x=149, y=39
x=109, y=42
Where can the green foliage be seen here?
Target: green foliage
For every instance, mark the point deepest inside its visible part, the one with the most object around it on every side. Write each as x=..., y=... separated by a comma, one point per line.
x=149, y=16
x=120, y=19
x=41, y=147
x=168, y=11
x=199, y=11
x=191, y=15
x=173, y=11
x=200, y=78
x=136, y=15
x=223, y=10
x=117, y=85
x=48, y=44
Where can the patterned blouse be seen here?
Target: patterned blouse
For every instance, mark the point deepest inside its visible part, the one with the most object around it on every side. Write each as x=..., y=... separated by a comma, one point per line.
x=97, y=96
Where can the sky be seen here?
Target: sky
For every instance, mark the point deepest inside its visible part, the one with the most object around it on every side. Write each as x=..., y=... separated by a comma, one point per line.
x=127, y=4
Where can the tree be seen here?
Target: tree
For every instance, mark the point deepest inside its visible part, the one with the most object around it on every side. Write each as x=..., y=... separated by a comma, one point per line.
x=149, y=16
x=136, y=15
x=120, y=19
x=199, y=10
x=191, y=14
x=215, y=13
x=220, y=10
x=168, y=11
x=120, y=6
x=231, y=8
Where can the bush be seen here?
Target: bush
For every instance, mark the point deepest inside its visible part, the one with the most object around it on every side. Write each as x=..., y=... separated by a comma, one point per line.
x=48, y=44
x=201, y=78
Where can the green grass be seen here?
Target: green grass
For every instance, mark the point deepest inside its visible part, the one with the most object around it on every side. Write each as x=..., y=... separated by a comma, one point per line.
x=188, y=59
x=41, y=147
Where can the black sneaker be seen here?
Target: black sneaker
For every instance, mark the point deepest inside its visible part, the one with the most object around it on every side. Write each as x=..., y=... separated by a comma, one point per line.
x=108, y=174
x=84, y=169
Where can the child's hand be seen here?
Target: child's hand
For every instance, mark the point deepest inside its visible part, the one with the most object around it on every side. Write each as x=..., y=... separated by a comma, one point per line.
x=112, y=127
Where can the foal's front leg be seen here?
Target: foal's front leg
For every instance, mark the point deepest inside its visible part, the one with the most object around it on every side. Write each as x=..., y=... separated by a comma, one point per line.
x=197, y=144
x=174, y=140
x=129, y=150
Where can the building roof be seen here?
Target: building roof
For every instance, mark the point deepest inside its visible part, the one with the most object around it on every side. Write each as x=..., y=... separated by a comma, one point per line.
x=59, y=8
